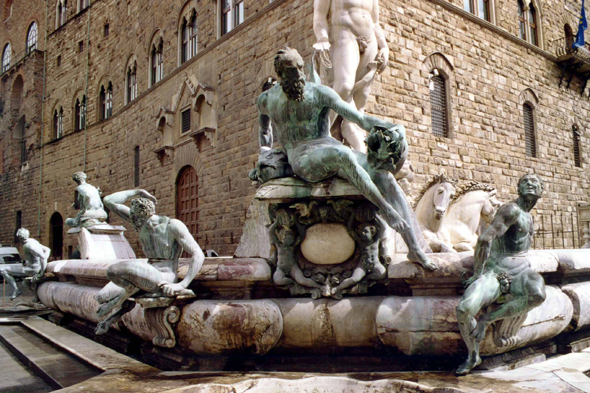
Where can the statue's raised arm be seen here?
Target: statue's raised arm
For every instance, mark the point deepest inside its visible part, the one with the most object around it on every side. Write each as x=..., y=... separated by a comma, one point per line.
x=115, y=202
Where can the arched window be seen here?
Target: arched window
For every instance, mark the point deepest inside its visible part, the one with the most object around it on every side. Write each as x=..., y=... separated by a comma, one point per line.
x=6, y=57
x=106, y=101
x=232, y=14
x=83, y=4
x=187, y=199
x=529, y=129
x=136, y=167
x=438, y=104
x=22, y=137
x=17, y=94
x=533, y=25
x=61, y=13
x=189, y=37
x=521, y=21
x=131, y=82
x=80, y=113
x=576, y=139
x=7, y=9
x=480, y=8
x=528, y=24
x=58, y=123
x=157, y=62
x=32, y=38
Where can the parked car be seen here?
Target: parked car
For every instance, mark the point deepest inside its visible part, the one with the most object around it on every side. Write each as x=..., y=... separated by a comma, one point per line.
x=9, y=254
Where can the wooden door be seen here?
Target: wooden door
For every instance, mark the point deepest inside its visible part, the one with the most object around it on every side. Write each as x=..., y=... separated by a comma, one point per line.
x=187, y=199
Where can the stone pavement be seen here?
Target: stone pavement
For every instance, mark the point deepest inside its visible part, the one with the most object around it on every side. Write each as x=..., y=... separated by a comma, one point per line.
x=564, y=373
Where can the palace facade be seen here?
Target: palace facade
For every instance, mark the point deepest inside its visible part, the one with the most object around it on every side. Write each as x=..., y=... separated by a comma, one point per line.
x=161, y=95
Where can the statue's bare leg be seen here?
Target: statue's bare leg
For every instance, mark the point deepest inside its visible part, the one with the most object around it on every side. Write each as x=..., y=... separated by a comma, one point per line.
x=481, y=293
x=127, y=278
x=315, y=162
x=8, y=272
x=397, y=199
x=356, y=277
x=379, y=272
x=280, y=278
x=528, y=290
x=298, y=276
x=350, y=68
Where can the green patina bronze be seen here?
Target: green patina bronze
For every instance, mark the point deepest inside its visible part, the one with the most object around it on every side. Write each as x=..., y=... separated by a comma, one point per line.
x=299, y=112
x=502, y=268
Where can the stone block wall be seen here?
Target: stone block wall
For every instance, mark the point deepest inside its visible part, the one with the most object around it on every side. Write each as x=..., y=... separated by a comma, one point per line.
x=21, y=94
x=491, y=73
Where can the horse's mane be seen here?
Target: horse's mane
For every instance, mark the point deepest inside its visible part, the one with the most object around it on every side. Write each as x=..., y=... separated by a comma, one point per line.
x=442, y=178
x=472, y=185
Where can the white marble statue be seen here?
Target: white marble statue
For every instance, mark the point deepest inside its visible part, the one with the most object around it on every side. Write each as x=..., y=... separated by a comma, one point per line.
x=91, y=208
x=34, y=263
x=358, y=51
x=432, y=205
x=162, y=239
x=470, y=213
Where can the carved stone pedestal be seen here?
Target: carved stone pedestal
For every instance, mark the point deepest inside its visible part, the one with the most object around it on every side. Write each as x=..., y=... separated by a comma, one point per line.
x=103, y=242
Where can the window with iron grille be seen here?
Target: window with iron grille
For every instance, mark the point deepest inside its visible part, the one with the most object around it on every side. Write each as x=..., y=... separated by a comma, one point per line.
x=438, y=106
x=136, y=168
x=186, y=120
x=529, y=130
x=576, y=136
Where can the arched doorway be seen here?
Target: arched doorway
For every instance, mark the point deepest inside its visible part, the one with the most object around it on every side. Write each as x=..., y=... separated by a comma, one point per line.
x=187, y=199
x=569, y=36
x=56, y=237
x=17, y=93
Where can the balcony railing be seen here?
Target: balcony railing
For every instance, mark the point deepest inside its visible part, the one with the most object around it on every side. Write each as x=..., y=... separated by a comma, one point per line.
x=18, y=58
x=572, y=61
x=563, y=50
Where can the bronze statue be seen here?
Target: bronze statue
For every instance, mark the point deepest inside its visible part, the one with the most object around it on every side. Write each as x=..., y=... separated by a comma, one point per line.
x=501, y=268
x=162, y=239
x=299, y=113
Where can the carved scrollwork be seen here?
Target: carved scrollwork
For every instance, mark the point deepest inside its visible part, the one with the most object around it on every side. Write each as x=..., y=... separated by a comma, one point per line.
x=162, y=320
x=292, y=224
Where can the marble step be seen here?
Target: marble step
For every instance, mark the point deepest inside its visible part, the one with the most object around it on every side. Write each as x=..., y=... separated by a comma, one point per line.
x=57, y=368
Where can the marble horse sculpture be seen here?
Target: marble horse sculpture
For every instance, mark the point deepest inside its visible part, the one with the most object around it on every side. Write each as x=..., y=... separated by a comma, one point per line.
x=502, y=276
x=470, y=212
x=299, y=113
x=431, y=207
x=162, y=239
x=34, y=263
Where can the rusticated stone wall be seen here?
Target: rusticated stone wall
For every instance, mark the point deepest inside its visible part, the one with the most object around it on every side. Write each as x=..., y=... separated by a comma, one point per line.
x=490, y=74
x=21, y=93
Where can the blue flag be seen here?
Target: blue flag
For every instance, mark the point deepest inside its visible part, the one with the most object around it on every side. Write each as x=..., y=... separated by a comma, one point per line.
x=581, y=28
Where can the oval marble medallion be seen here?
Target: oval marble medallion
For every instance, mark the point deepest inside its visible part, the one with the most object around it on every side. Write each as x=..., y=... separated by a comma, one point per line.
x=327, y=244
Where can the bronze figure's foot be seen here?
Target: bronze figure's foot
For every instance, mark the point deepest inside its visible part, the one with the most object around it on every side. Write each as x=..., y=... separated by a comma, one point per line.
x=106, y=307
x=16, y=294
x=422, y=259
x=470, y=364
x=102, y=328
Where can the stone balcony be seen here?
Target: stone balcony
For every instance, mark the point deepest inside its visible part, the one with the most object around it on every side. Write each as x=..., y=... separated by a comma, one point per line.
x=571, y=60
